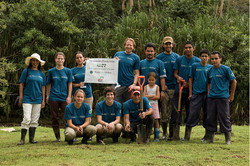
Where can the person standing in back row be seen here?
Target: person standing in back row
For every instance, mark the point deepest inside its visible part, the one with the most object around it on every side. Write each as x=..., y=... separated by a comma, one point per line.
x=168, y=57
x=59, y=91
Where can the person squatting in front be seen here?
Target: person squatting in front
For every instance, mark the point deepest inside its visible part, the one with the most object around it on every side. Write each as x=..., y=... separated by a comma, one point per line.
x=134, y=117
x=78, y=117
x=32, y=96
x=108, y=113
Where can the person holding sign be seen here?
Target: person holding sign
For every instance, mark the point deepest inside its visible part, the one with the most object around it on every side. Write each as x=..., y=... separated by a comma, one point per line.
x=78, y=73
x=128, y=70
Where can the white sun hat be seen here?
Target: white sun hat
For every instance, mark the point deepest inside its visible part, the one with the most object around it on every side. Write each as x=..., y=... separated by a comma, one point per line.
x=36, y=56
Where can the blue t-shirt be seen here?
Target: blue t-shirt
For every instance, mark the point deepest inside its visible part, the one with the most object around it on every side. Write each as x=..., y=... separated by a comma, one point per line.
x=77, y=115
x=127, y=64
x=169, y=61
x=154, y=65
x=108, y=113
x=183, y=65
x=219, y=79
x=59, y=80
x=79, y=76
x=199, y=75
x=33, y=84
x=133, y=109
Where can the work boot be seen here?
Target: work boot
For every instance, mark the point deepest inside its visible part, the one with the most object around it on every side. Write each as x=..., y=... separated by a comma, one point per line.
x=171, y=132
x=132, y=137
x=228, y=138
x=70, y=142
x=115, y=137
x=99, y=139
x=23, y=134
x=57, y=133
x=176, y=132
x=164, y=129
x=85, y=140
x=32, y=131
x=210, y=137
x=187, y=133
x=205, y=136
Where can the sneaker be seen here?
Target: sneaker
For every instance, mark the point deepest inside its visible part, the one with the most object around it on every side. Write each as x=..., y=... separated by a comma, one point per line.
x=75, y=139
x=164, y=137
x=156, y=140
x=90, y=139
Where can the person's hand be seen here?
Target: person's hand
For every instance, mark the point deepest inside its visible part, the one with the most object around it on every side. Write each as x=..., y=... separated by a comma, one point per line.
x=185, y=85
x=43, y=105
x=189, y=97
x=79, y=130
x=47, y=100
x=68, y=100
x=127, y=127
x=162, y=96
x=117, y=58
x=81, y=84
x=231, y=98
x=142, y=115
x=20, y=102
x=131, y=87
x=179, y=79
x=110, y=127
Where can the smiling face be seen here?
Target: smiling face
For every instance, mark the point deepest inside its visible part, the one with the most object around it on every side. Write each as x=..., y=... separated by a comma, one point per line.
x=136, y=98
x=59, y=60
x=129, y=47
x=168, y=47
x=79, y=59
x=216, y=60
x=151, y=80
x=34, y=63
x=79, y=97
x=110, y=97
x=189, y=50
x=204, y=58
x=150, y=52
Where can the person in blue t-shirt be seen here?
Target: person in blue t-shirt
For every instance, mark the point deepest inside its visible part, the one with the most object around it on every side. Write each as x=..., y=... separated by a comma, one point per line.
x=150, y=64
x=168, y=57
x=78, y=117
x=108, y=113
x=133, y=115
x=219, y=77
x=128, y=70
x=32, y=96
x=182, y=69
x=78, y=73
x=197, y=93
x=59, y=91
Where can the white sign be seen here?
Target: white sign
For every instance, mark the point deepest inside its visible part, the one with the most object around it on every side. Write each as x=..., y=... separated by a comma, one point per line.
x=101, y=70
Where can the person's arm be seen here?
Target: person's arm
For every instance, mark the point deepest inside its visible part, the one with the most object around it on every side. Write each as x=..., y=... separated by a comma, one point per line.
x=144, y=114
x=233, y=87
x=43, y=94
x=208, y=87
x=152, y=97
x=48, y=87
x=163, y=88
x=190, y=87
x=100, y=121
x=137, y=72
x=177, y=77
x=71, y=125
x=86, y=123
x=75, y=85
x=117, y=120
x=68, y=100
x=126, y=122
x=20, y=102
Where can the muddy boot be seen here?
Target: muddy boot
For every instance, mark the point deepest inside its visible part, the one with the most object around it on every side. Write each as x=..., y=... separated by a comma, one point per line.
x=228, y=138
x=187, y=133
x=57, y=133
x=132, y=137
x=210, y=137
x=115, y=137
x=99, y=139
x=164, y=129
x=176, y=132
x=23, y=134
x=171, y=132
x=85, y=140
x=205, y=136
x=32, y=131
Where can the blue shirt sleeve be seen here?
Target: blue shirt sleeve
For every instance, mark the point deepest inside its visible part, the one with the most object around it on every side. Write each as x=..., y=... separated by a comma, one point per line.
x=98, y=109
x=23, y=76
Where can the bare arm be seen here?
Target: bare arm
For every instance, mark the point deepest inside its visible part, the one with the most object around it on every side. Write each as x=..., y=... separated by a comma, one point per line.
x=43, y=94
x=208, y=87
x=21, y=86
x=135, y=80
x=126, y=122
x=100, y=121
x=233, y=87
x=68, y=100
x=190, y=87
x=48, y=87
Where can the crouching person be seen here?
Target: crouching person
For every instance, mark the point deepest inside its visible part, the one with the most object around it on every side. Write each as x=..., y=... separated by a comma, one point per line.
x=78, y=117
x=108, y=114
x=135, y=119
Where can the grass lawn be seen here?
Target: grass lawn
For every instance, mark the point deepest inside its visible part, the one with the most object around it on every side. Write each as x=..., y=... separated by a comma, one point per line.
x=47, y=152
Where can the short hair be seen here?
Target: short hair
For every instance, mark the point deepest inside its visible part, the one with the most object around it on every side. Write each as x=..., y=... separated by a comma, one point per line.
x=153, y=74
x=79, y=52
x=59, y=53
x=205, y=51
x=189, y=42
x=216, y=52
x=109, y=89
x=79, y=91
x=150, y=44
x=129, y=39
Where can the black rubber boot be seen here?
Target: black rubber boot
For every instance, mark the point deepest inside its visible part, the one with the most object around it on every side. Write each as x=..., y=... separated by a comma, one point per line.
x=176, y=132
x=32, y=131
x=171, y=132
x=187, y=133
x=85, y=140
x=99, y=139
x=23, y=134
x=115, y=137
x=57, y=133
x=228, y=138
x=210, y=137
x=132, y=137
x=205, y=136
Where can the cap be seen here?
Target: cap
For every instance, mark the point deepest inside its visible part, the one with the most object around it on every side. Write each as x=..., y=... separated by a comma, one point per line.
x=167, y=39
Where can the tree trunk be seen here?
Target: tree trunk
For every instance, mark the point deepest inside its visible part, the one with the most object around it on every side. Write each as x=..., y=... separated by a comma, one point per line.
x=123, y=5
x=228, y=5
x=139, y=6
x=216, y=10
x=221, y=8
x=131, y=3
x=153, y=3
x=150, y=3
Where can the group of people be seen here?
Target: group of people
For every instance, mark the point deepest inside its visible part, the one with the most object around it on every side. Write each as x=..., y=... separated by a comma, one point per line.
x=205, y=87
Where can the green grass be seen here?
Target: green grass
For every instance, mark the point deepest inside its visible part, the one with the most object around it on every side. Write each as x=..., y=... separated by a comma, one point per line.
x=47, y=152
